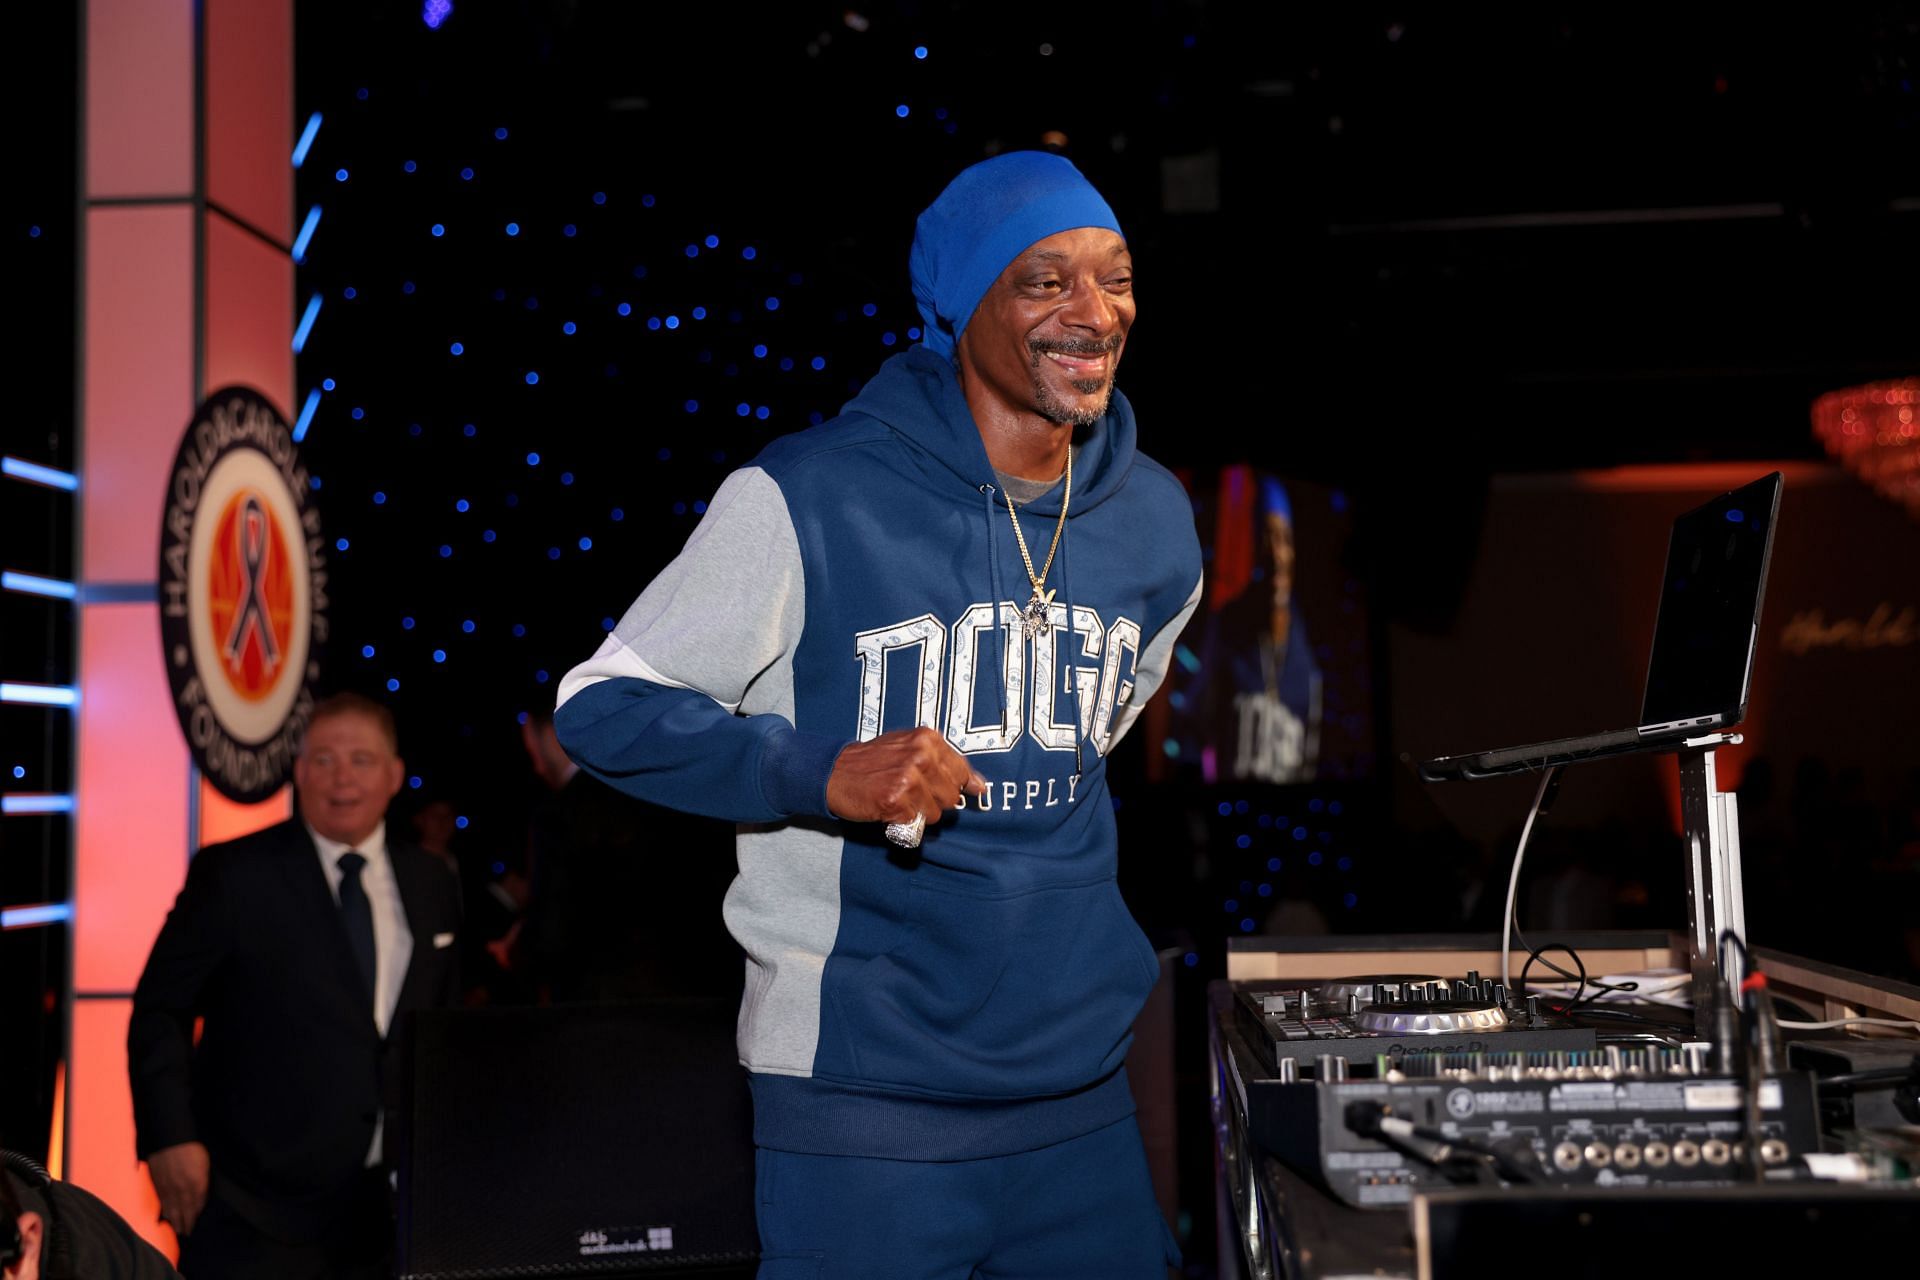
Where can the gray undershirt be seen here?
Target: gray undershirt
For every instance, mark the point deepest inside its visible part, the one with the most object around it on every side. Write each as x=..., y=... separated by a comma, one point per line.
x=1020, y=492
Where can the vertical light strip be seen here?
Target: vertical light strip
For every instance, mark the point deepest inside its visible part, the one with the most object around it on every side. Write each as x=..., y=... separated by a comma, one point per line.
x=306, y=234
x=306, y=324
x=306, y=415
x=57, y=1131
x=307, y=136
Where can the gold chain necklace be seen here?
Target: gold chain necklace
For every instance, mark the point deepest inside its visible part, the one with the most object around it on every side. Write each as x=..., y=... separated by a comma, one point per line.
x=1033, y=619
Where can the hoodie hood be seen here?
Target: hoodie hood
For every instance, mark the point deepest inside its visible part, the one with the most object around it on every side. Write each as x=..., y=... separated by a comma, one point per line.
x=917, y=394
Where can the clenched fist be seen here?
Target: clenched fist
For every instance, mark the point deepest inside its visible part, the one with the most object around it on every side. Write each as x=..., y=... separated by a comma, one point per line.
x=899, y=775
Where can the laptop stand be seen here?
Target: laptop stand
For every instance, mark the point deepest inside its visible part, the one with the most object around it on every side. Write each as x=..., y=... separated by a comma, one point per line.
x=1715, y=903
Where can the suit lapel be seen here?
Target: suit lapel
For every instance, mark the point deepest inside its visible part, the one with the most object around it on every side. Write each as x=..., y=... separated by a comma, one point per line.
x=416, y=898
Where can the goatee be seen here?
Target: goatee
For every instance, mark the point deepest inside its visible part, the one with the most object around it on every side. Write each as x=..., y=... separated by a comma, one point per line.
x=1050, y=406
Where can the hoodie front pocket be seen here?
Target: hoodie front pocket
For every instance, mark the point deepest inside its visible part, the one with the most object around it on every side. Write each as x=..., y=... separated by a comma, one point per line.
x=994, y=995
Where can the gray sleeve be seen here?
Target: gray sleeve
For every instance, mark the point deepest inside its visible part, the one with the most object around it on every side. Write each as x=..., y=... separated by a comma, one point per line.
x=1150, y=667
x=729, y=607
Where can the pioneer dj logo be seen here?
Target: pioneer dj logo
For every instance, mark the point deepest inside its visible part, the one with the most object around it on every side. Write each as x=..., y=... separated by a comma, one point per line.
x=1436, y=1045
x=1460, y=1103
x=242, y=593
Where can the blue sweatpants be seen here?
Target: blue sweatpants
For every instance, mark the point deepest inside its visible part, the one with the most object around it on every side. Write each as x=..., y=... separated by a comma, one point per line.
x=1083, y=1208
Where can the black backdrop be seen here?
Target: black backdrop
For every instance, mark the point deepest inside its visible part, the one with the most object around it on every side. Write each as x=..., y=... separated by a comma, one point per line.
x=1389, y=252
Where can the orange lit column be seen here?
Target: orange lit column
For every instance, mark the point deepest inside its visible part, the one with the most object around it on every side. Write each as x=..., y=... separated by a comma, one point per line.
x=187, y=285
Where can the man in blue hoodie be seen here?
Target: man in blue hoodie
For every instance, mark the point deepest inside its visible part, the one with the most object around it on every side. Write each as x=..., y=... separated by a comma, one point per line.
x=898, y=650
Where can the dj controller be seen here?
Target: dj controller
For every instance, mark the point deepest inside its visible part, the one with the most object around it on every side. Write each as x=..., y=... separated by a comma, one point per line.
x=1359, y=1019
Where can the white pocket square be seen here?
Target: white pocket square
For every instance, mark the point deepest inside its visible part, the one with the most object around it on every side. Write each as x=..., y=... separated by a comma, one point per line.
x=442, y=940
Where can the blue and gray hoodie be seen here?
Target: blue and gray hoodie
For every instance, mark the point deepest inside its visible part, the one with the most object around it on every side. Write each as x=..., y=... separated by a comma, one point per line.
x=974, y=997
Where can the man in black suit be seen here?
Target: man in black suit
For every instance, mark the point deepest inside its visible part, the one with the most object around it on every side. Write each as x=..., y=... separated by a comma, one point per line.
x=301, y=948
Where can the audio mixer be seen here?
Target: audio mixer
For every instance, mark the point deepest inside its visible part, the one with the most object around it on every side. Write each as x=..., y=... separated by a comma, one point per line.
x=1385, y=1085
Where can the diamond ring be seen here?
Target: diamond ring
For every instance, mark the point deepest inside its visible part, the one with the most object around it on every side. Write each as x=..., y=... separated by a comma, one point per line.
x=907, y=834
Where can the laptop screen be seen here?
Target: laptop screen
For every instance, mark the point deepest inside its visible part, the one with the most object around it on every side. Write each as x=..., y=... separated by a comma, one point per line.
x=1710, y=605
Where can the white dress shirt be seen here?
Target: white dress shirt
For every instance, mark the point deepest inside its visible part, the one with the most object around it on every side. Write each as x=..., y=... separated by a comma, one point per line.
x=392, y=939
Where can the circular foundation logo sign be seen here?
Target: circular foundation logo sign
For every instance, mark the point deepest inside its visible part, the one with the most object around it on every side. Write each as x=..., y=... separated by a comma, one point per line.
x=243, y=593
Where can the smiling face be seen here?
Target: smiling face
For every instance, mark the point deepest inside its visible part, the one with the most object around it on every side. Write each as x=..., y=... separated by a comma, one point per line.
x=347, y=773
x=1047, y=338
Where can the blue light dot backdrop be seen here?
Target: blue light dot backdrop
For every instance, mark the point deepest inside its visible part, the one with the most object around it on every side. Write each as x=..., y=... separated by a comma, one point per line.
x=571, y=321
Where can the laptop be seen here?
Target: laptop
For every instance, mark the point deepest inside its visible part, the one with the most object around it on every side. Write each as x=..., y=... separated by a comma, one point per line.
x=1703, y=641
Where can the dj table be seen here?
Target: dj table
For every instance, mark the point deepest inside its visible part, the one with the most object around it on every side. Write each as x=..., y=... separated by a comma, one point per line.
x=1375, y=1117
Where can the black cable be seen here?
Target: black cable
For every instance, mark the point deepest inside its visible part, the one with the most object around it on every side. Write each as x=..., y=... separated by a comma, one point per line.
x=1502, y=1163
x=1535, y=954
x=1601, y=988
x=1751, y=1074
x=1746, y=957
x=1432, y=1147
x=1538, y=953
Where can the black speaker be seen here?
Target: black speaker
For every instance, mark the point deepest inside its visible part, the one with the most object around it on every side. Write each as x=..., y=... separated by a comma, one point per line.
x=582, y=1140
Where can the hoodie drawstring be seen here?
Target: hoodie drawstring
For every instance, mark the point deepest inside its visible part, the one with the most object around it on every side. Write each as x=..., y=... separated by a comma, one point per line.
x=1073, y=657
x=999, y=680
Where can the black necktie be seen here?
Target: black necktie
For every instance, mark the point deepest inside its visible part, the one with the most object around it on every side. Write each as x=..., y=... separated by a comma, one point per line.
x=357, y=914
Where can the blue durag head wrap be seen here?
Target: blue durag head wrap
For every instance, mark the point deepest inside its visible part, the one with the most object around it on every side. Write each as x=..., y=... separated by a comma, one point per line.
x=1274, y=500
x=981, y=222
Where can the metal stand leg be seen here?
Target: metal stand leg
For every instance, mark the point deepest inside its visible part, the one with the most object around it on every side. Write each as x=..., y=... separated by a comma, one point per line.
x=1715, y=904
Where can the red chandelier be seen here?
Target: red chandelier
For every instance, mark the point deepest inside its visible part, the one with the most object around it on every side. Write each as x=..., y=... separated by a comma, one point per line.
x=1875, y=433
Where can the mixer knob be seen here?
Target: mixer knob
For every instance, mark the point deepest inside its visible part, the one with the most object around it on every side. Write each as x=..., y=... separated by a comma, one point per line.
x=1500, y=994
x=1473, y=977
x=1289, y=1071
x=1353, y=1005
x=1533, y=1008
x=1332, y=1067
